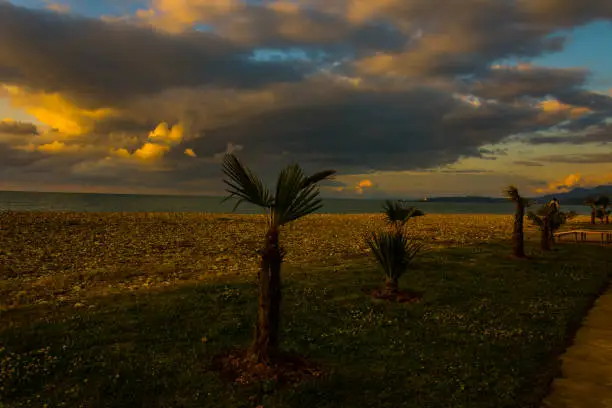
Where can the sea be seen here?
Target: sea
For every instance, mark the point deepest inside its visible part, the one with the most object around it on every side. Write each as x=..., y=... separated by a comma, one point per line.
x=86, y=202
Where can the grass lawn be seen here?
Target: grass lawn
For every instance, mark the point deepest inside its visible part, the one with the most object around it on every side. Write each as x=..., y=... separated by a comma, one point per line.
x=487, y=333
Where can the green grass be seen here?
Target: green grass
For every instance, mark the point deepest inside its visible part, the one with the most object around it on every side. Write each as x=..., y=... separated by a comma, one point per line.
x=487, y=334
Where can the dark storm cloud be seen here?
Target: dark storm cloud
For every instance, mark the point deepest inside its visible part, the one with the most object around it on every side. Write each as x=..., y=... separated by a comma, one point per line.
x=567, y=13
x=591, y=100
x=465, y=37
x=267, y=27
x=585, y=158
x=592, y=135
x=18, y=128
x=359, y=131
x=225, y=97
x=527, y=163
x=510, y=83
x=103, y=63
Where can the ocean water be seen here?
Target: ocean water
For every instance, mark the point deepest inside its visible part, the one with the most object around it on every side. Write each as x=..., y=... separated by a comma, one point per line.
x=78, y=202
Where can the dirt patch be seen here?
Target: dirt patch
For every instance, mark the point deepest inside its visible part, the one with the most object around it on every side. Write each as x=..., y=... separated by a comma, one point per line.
x=400, y=296
x=287, y=369
x=519, y=258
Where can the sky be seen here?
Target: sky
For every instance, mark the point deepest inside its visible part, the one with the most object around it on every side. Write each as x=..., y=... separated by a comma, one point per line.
x=403, y=98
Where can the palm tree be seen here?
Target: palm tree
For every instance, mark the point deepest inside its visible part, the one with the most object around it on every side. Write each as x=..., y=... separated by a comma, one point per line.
x=394, y=250
x=397, y=213
x=603, y=202
x=549, y=219
x=296, y=196
x=592, y=202
x=518, y=245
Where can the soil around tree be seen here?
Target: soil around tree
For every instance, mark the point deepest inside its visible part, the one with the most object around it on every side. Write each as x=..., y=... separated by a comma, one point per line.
x=519, y=258
x=399, y=296
x=287, y=369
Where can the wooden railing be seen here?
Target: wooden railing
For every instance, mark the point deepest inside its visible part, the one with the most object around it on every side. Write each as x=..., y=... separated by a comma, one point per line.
x=605, y=237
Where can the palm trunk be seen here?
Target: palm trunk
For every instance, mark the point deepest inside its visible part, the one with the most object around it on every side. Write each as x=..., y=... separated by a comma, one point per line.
x=517, y=233
x=265, y=345
x=391, y=286
x=593, y=215
x=546, y=235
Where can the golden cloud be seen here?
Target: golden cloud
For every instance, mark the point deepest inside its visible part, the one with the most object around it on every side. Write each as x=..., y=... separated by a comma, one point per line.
x=151, y=151
x=363, y=185
x=554, y=106
x=176, y=16
x=574, y=180
x=56, y=111
x=168, y=135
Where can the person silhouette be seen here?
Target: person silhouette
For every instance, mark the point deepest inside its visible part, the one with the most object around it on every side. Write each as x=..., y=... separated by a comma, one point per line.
x=555, y=203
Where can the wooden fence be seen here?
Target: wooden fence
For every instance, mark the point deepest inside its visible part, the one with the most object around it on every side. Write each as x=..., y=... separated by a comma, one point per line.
x=605, y=237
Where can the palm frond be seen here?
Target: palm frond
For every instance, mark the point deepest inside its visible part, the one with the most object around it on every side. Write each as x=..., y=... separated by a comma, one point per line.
x=394, y=251
x=535, y=219
x=397, y=213
x=603, y=201
x=512, y=193
x=318, y=177
x=547, y=210
x=296, y=194
x=243, y=184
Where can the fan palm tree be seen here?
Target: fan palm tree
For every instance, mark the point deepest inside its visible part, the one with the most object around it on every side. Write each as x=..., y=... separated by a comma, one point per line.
x=394, y=250
x=603, y=202
x=296, y=195
x=518, y=240
x=397, y=213
x=549, y=219
x=592, y=202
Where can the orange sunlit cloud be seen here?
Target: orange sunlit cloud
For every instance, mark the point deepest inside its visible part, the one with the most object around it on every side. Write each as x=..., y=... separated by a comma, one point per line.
x=575, y=180
x=151, y=151
x=56, y=111
x=554, y=105
x=363, y=185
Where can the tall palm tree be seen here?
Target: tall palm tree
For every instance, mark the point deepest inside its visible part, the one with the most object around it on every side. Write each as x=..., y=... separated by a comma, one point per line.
x=592, y=202
x=296, y=195
x=394, y=250
x=518, y=240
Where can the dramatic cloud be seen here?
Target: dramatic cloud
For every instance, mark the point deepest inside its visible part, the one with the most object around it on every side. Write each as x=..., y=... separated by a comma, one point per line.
x=578, y=158
x=595, y=134
x=576, y=180
x=13, y=127
x=101, y=63
x=155, y=99
x=507, y=83
x=527, y=163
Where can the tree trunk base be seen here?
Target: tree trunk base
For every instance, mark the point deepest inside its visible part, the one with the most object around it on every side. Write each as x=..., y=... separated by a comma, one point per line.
x=240, y=367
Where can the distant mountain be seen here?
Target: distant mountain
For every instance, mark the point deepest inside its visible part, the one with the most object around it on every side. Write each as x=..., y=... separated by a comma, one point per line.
x=464, y=199
x=578, y=195
x=573, y=197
